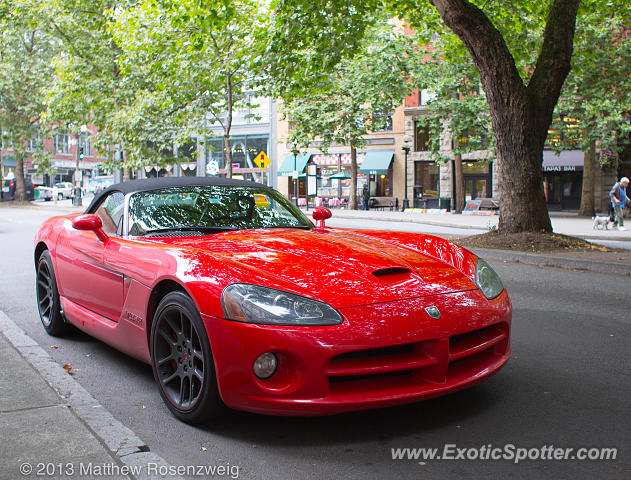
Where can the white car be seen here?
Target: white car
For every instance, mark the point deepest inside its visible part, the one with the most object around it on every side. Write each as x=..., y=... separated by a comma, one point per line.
x=44, y=193
x=63, y=190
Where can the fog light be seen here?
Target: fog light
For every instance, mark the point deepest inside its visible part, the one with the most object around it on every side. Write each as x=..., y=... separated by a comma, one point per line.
x=265, y=365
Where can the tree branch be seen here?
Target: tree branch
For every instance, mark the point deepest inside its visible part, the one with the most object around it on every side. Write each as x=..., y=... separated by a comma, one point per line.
x=553, y=63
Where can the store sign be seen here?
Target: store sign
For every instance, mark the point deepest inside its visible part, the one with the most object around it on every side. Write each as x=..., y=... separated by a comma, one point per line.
x=558, y=168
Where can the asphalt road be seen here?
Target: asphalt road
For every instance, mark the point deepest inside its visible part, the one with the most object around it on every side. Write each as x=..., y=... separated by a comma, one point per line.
x=568, y=384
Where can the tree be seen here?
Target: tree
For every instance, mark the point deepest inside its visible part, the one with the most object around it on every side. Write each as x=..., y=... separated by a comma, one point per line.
x=87, y=85
x=456, y=104
x=25, y=58
x=198, y=61
x=597, y=93
x=355, y=97
x=521, y=97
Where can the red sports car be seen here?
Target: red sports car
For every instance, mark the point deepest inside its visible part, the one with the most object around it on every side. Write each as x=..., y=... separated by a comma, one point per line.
x=234, y=297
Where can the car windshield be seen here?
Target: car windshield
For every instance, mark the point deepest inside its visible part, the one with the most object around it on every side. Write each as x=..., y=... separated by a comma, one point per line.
x=203, y=209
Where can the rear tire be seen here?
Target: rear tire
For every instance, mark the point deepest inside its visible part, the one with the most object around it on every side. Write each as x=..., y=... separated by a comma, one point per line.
x=182, y=361
x=48, y=303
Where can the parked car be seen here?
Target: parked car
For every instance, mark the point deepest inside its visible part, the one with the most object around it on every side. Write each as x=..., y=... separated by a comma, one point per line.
x=63, y=190
x=236, y=298
x=44, y=193
x=9, y=187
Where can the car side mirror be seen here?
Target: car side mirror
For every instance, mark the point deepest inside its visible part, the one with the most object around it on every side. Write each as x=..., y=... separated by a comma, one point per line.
x=90, y=222
x=320, y=214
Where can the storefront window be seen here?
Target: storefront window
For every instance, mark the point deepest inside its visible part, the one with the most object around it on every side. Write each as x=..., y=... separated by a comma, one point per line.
x=426, y=178
x=244, y=150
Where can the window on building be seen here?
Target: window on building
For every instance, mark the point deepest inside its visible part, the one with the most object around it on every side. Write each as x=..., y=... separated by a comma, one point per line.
x=35, y=140
x=7, y=140
x=86, y=143
x=257, y=111
x=244, y=149
x=421, y=137
x=61, y=143
x=425, y=96
x=382, y=122
x=426, y=179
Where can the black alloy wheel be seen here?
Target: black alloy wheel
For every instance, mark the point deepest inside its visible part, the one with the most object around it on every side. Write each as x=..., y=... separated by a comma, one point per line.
x=48, y=303
x=182, y=360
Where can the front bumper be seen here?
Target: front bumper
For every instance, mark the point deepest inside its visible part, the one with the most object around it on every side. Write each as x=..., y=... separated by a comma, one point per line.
x=383, y=354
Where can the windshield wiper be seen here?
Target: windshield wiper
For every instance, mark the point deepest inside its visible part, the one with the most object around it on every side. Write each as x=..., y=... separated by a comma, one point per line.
x=188, y=228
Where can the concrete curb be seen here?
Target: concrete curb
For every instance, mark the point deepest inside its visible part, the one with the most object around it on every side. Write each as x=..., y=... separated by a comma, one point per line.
x=539, y=260
x=123, y=443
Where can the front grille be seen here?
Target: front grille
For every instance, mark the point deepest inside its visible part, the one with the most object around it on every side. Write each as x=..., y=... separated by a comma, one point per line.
x=414, y=365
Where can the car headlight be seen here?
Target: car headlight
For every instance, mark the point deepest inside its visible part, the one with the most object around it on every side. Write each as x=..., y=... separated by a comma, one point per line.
x=243, y=302
x=487, y=280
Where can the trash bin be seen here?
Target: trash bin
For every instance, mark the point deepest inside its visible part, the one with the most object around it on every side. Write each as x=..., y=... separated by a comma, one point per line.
x=444, y=203
x=36, y=193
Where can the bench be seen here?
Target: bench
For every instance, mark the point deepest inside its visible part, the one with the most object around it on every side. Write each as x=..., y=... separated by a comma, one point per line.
x=381, y=203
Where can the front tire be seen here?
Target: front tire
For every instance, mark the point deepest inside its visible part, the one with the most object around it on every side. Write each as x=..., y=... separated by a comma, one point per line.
x=48, y=303
x=182, y=360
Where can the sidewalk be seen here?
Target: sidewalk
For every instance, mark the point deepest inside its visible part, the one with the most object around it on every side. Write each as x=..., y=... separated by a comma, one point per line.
x=52, y=427
x=563, y=223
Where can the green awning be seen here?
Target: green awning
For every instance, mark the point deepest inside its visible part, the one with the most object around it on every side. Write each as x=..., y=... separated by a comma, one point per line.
x=376, y=163
x=287, y=167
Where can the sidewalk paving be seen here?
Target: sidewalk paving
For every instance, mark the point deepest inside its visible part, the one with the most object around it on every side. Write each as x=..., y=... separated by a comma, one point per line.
x=53, y=428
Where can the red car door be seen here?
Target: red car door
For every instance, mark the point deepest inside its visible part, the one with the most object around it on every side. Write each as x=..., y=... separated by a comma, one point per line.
x=83, y=276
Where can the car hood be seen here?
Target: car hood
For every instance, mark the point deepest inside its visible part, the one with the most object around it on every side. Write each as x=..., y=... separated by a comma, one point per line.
x=339, y=267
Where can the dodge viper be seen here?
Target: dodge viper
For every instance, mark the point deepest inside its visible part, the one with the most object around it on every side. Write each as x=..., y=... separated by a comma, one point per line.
x=234, y=297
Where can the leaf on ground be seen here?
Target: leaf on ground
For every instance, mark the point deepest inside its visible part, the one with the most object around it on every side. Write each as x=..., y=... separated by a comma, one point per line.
x=55, y=346
x=67, y=368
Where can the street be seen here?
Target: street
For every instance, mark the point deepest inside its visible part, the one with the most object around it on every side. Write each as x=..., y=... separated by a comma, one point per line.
x=567, y=385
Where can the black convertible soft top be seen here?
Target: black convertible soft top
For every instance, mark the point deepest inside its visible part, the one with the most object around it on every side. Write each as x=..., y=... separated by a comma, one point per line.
x=166, y=182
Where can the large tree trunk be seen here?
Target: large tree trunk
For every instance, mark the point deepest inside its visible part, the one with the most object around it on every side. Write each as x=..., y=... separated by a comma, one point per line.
x=589, y=170
x=352, y=199
x=520, y=114
x=20, y=184
x=459, y=206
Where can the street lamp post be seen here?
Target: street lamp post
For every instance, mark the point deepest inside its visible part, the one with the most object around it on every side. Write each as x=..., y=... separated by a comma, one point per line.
x=407, y=145
x=294, y=174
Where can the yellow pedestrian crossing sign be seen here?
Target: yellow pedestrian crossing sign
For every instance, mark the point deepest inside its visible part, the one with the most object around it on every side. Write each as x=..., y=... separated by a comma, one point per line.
x=261, y=161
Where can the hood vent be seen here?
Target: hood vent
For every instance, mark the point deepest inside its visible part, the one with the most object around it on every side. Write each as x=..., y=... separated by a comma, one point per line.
x=386, y=272
x=393, y=275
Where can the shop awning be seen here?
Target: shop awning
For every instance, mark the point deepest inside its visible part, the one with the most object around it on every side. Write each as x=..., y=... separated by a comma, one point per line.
x=569, y=160
x=287, y=168
x=376, y=162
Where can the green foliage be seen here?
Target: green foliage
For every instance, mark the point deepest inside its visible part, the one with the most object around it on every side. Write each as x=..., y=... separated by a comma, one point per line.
x=356, y=95
x=191, y=64
x=25, y=57
x=308, y=38
x=594, y=103
x=457, y=102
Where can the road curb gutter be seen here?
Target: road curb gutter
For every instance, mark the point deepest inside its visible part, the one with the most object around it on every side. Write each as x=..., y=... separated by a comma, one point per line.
x=122, y=442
